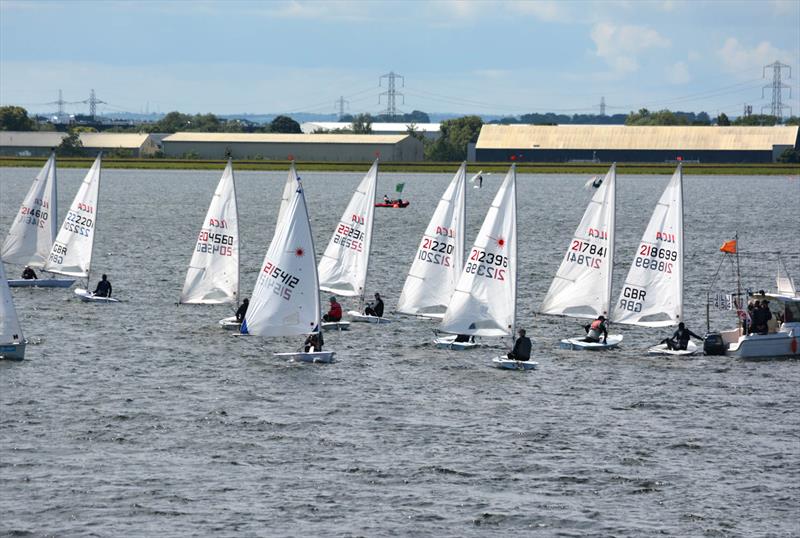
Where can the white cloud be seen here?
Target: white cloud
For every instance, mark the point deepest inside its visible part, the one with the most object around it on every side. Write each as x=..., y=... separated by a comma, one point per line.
x=678, y=73
x=620, y=46
x=544, y=10
x=737, y=57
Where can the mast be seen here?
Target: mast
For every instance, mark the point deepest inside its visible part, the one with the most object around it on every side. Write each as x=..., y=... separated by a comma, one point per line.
x=238, y=249
x=514, y=246
x=96, y=213
x=371, y=228
x=680, y=245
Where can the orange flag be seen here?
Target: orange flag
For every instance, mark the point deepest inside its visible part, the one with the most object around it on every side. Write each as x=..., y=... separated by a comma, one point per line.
x=729, y=247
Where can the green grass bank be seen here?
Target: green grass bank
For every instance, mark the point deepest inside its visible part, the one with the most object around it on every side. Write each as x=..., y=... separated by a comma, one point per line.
x=422, y=167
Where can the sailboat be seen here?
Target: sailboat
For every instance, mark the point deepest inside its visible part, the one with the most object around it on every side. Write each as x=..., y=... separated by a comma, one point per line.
x=343, y=267
x=652, y=295
x=439, y=259
x=582, y=285
x=31, y=235
x=12, y=342
x=285, y=299
x=484, y=301
x=213, y=275
x=71, y=254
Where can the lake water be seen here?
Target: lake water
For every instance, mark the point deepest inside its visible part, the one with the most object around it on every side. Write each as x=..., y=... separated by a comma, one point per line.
x=144, y=419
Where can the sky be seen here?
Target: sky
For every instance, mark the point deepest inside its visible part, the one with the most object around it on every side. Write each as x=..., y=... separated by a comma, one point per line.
x=483, y=57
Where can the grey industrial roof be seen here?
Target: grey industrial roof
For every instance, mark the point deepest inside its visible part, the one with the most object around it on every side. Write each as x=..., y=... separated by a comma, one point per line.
x=595, y=137
x=286, y=138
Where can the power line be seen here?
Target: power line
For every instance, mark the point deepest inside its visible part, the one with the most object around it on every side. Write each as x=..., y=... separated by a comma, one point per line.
x=777, y=106
x=391, y=93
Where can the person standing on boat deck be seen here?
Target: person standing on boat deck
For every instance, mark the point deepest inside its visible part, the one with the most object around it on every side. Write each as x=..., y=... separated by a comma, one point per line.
x=103, y=288
x=522, y=348
x=376, y=308
x=242, y=311
x=680, y=338
x=335, y=313
x=598, y=327
x=29, y=274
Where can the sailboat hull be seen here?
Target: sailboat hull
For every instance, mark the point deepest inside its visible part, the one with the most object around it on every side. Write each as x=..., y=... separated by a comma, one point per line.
x=449, y=342
x=13, y=352
x=505, y=363
x=88, y=297
x=358, y=317
x=335, y=325
x=661, y=349
x=41, y=283
x=318, y=357
x=230, y=324
x=579, y=344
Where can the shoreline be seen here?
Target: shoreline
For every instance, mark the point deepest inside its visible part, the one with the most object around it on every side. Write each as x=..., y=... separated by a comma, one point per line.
x=758, y=169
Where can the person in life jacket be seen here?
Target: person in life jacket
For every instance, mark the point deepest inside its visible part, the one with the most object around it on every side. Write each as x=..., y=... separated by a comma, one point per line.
x=29, y=274
x=597, y=328
x=522, y=348
x=103, y=288
x=335, y=313
x=242, y=311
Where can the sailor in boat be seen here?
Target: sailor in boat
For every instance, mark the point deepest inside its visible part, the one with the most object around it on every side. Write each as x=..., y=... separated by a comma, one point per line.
x=597, y=327
x=335, y=313
x=103, y=288
x=522, y=348
x=29, y=274
x=386, y=200
x=240, y=313
x=313, y=342
x=376, y=308
x=680, y=338
x=461, y=338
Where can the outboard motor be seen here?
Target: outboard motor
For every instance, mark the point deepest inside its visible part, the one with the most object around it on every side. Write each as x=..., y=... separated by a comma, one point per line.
x=713, y=344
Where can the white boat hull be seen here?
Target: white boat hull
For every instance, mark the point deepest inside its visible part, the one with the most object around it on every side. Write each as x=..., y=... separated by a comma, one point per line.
x=13, y=351
x=89, y=297
x=784, y=343
x=230, y=324
x=358, y=317
x=41, y=283
x=612, y=341
x=324, y=357
x=661, y=349
x=335, y=325
x=449, y=342
x=504, y=363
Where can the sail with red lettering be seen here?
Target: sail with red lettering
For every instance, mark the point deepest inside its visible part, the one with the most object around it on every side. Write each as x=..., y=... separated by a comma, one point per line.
x=437, y=265
x=582, y=285
x=213, y=275
x=343, y=267
x=35, y=226
x=484, y=301
x=652, y=295
x=71, y=253
x=285, y=299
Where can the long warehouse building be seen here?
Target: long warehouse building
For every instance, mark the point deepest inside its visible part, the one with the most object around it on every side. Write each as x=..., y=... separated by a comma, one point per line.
x=306, y=147
x=622, y=143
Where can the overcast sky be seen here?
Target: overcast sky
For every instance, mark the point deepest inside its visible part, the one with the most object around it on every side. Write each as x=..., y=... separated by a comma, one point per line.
x=505, y=57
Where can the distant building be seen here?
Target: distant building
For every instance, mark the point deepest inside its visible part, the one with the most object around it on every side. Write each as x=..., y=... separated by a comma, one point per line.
x=306, y=147
x=621, y=143
x=40, y=143
x=429, y=130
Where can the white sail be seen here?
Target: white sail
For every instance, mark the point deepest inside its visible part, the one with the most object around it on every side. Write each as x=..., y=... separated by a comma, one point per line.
x=343, y=267
x=285, y=300
x=10, y=329
x=31, y=235
x=484, y=301
x=71, y=254
x=784, y=281
x=213, y=276
x=582, y=285
x=652, y=295
x=440, y=257
x=288, y=192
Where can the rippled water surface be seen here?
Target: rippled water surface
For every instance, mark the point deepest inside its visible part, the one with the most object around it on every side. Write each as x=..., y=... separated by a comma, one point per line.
x=143, y=419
